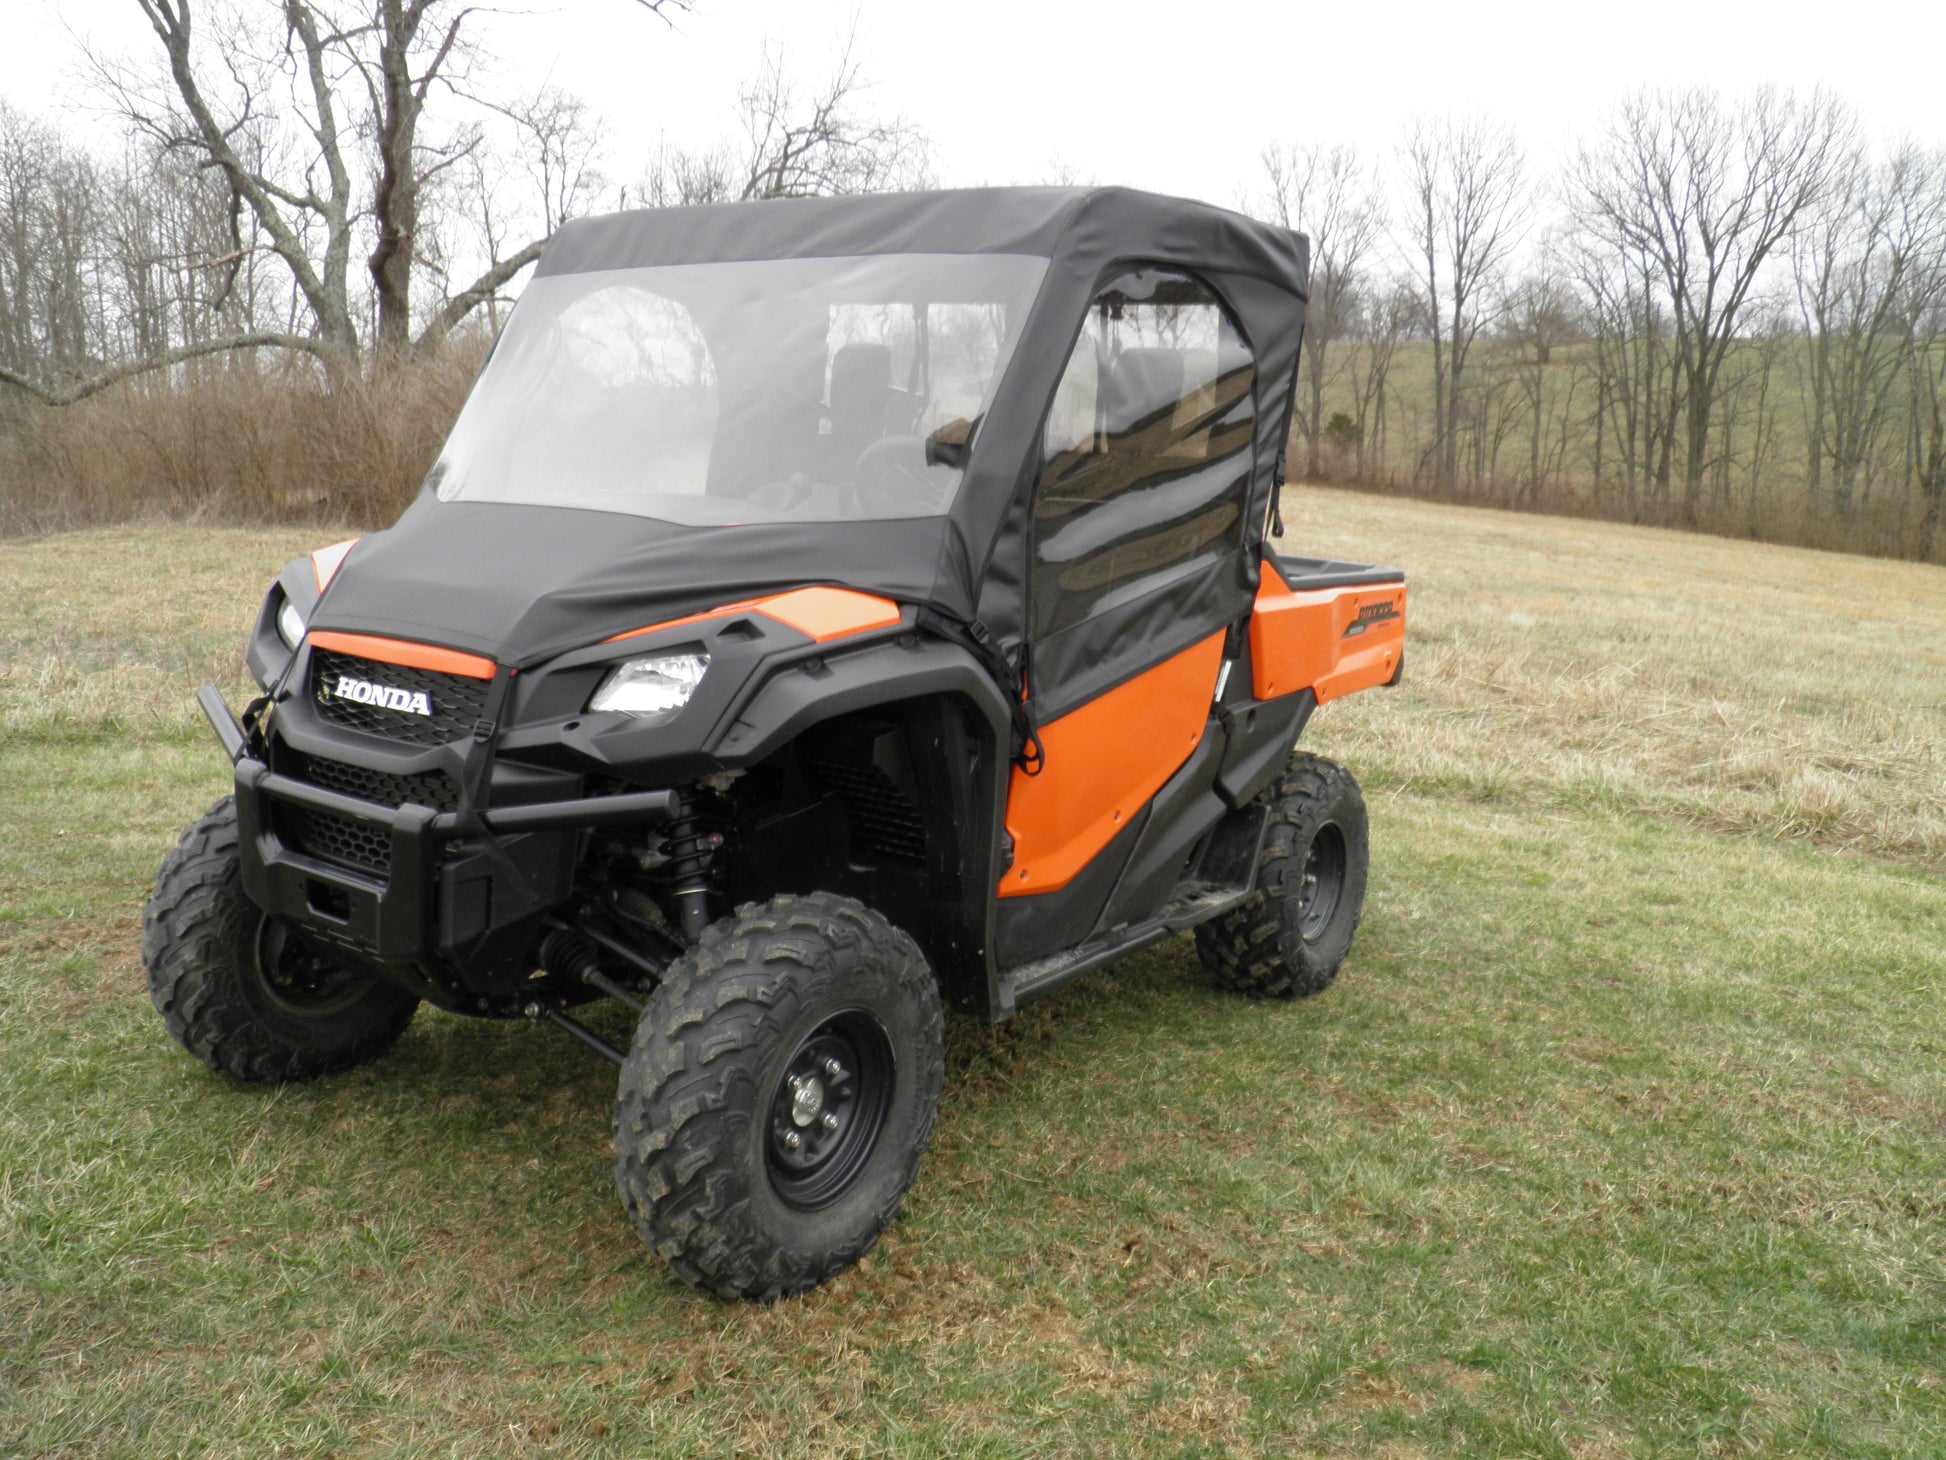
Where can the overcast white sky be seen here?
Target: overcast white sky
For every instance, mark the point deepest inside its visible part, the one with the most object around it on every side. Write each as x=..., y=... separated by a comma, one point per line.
x=1178, y=97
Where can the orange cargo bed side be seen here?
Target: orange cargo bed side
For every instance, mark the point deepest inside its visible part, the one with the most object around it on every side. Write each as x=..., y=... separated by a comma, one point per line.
x=1328, y=640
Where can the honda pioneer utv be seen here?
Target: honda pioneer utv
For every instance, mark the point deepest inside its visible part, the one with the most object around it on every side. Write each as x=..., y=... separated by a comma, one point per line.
x=823, y=612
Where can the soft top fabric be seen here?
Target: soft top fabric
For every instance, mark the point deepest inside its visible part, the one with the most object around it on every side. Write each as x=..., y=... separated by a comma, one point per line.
x=962, y=220
x=522, y=583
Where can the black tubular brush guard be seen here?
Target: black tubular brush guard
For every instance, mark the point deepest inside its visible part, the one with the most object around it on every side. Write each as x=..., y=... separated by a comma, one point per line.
x=426, y=901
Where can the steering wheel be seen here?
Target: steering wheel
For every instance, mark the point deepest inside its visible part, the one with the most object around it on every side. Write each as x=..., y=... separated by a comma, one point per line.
x=892, y=481
x=784, y=495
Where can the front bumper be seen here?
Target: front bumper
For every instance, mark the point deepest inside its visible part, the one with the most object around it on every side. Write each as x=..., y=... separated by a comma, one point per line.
x=442, y=890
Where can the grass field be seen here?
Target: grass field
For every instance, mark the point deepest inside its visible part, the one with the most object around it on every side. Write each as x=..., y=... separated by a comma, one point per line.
x=1623, y=1134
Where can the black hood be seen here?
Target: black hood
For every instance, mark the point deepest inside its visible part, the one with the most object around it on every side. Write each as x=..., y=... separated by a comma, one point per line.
x=521, y=584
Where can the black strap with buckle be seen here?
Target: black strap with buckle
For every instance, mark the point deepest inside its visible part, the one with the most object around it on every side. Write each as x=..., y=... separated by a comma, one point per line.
x=476, y=774
x=974, y=637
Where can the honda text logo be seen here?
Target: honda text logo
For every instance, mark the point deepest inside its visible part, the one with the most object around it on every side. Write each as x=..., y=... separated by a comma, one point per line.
x=364, y=692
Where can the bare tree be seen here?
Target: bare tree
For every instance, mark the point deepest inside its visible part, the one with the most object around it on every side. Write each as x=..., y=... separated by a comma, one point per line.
x=401, y=50
x=225, y=114
x=106, y=260
x=559, y=141
x=1708, y=193
x=1386, y=315
x=1466, y=180
x=796, y=143
x=1926, y=372
x=1330, y=194
x=1772, y=342
x=1922, y=326
x=676, y=177
x=822, y=143
x=44, y=249
x=1856, y=259
x=315, y=115
x=1542, y=315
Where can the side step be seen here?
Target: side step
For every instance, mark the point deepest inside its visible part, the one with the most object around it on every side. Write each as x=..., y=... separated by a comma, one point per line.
x=1224, y=877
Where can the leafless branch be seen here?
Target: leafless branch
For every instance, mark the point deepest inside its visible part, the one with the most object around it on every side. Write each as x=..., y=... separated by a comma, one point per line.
x=66, y=395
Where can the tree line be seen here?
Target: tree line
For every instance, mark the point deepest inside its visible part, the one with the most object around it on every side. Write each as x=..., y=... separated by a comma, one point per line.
x=1727, y=313
x=1717, y=312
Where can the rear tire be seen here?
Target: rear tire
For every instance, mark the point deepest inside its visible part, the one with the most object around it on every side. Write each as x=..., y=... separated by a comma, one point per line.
x=1290, y=939
x=778, y=1096
x=238, y=989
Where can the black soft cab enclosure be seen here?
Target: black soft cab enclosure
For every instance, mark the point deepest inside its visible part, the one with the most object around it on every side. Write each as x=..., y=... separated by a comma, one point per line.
x=823, y=613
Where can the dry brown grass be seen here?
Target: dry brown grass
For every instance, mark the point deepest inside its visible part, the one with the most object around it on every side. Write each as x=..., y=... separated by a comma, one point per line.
x=233, y=446
x=1747, y=687
x=113, y=630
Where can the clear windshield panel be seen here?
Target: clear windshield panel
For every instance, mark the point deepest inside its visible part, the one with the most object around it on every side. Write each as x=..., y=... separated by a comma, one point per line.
x=776, y=390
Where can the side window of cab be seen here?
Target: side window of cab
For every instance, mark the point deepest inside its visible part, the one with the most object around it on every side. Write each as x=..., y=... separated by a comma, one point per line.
x=1146, y=459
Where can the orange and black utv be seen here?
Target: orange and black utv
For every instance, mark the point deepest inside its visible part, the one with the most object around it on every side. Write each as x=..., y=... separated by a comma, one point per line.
x=823, y=612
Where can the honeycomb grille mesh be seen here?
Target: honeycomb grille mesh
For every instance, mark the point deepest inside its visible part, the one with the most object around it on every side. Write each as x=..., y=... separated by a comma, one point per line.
x=345, y=839
x=457, y=702
x=437, y=789
x=340, y=839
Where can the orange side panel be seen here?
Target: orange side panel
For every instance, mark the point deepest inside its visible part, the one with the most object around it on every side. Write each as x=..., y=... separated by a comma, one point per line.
x=822, y=614
x=400, y=651
x=1331, y=640
x=325, y=561
x=1103, y=763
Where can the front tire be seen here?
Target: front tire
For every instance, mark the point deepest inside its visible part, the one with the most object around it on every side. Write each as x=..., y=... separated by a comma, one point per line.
x=780, y=1091
x=1290, y=939
x=238, y=989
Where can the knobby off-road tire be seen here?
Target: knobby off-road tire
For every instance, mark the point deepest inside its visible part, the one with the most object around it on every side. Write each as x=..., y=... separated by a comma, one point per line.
x=743, y=1160
x=241, y=993
x=1289, y=940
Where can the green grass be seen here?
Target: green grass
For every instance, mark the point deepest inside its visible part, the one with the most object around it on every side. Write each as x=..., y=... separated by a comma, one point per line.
x=1622, y=1134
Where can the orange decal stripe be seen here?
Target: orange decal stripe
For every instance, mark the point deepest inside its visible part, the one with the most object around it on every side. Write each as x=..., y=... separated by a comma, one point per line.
x=830, y=613
x=326, y=561
x=405, y=653
x=820, y=614
x=1103, y=763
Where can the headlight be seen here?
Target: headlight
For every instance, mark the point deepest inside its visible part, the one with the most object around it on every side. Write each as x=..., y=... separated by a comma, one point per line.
x=651, y=687
x=290, y=625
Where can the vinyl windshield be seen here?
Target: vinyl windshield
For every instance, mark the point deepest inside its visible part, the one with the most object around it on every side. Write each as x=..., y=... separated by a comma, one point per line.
x=776, y=390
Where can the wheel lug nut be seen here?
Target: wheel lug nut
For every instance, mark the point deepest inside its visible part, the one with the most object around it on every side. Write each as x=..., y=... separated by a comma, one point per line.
x=832, y=1069
x=792, y=1140
x=830, y=1121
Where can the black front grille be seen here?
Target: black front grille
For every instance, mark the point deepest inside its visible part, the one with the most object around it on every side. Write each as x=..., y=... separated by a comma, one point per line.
x=345, y=839
x=435, y=789
x=454, y=702
x=340, y=839
x=883, y=819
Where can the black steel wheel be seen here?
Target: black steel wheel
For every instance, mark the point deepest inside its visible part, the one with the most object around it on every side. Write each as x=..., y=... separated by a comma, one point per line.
x=829, y=1108
x=1290, y=939
x=1321, y=886
x=778, y=1096
x=241, y=991
x=297, y=978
